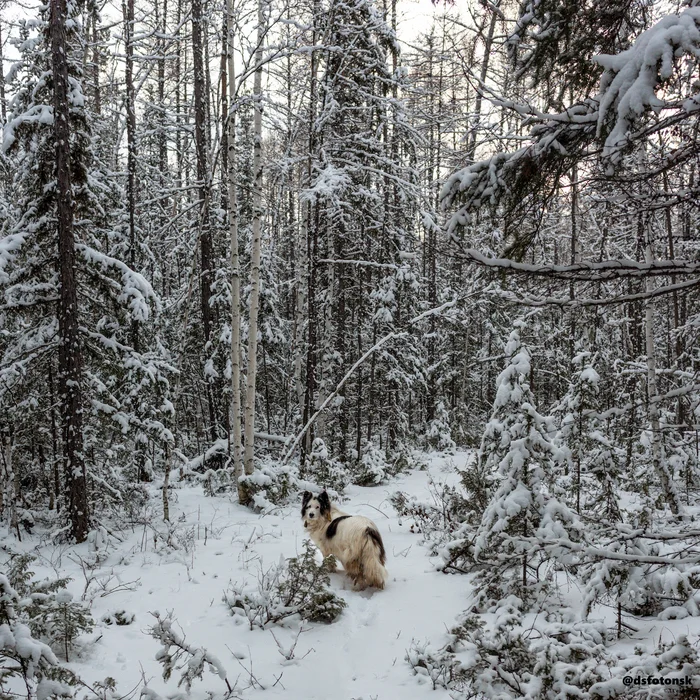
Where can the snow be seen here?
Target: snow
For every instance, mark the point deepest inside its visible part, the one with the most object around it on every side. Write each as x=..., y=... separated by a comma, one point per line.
x=136, y=292
x=361, y=655
x=9, y=246
x=631, y=79
x=41, y=114
x=328, y=184
x=174, y=576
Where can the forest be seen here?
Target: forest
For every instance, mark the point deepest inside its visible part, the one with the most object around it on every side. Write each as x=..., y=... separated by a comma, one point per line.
x=441, y=257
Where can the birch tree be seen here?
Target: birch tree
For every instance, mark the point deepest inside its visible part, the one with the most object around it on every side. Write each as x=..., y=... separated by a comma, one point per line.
x=235, y=417
x=252, y=366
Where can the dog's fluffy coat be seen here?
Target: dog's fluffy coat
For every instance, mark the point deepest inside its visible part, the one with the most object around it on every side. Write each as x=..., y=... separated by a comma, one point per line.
x=352, y=539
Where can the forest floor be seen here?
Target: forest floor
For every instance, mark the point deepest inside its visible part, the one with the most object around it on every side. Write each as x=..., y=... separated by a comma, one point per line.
x=360, y=656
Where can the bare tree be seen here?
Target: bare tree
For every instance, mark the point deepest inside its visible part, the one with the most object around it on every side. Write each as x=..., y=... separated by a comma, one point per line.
x=235, y=408
x=251, y=373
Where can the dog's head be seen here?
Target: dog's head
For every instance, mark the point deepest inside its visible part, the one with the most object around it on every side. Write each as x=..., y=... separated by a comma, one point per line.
x=315, y=510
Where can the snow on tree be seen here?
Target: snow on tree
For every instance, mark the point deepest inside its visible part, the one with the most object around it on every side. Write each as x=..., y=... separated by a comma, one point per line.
x=517, y=453
x=360, y=195
x=371, y=467
x=439, y=433
x=588, y=450
x=633, y=78
x=124, y=389
x=322, y=469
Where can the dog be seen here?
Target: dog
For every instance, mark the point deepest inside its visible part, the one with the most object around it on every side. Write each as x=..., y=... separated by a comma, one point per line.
x=352, y=539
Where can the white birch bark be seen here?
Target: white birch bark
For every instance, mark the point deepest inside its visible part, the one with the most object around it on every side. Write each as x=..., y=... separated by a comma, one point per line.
x=10, y=490
x=255, y=253
x=235, y=407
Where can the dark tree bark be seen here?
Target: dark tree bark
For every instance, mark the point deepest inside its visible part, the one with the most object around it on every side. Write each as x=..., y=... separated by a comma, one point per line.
x=341, y=346
x=3, y=101
x=310, y=225
x=162, y=138
x=200, y=139
x=70, y=352
x=128, y=13
x=95, y=67
x=55, y=494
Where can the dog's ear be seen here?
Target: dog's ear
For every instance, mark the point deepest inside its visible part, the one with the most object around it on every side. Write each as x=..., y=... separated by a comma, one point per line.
x=325, y=504
x=305, y=498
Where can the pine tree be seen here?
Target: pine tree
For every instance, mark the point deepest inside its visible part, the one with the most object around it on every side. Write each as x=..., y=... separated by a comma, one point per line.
x=439, y=433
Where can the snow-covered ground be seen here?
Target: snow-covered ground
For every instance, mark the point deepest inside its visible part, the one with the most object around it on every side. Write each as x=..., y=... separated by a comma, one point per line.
x=361, y=655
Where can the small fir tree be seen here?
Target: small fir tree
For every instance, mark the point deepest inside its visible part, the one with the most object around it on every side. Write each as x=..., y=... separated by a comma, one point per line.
x=517, y=452
x=585, y=447
x=439, y=435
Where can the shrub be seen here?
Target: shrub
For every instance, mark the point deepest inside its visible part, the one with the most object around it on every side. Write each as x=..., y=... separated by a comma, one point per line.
x=298, y=588
x=372, y=468
x=47, y=607
x=177, y=654
x=269, y=485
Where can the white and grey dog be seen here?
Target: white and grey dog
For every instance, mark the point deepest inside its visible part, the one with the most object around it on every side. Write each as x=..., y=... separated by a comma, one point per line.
x=352, y=539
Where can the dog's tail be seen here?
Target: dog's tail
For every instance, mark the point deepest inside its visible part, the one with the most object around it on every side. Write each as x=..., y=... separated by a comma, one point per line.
x=374, y=571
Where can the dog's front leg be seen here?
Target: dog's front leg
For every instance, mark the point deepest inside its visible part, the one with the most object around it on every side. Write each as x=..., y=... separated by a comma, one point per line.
x=325, y=552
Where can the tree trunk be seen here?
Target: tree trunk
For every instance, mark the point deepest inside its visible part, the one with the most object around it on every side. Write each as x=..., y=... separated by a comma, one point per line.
x=128, y=14
x=166, y=485
x=3, y=101
x=309, y=243
x=205, y=242
x=298, y=250
x=488, y=44
x=235, y=419
x=97, y=93
x=162, y=137
x=575, y=256
x=251, y=373
x=9, y=493
x=678, y=344
x=179, y=171
x=70, y=352
x=327, y=340
x=56, y=494
x=660, y=466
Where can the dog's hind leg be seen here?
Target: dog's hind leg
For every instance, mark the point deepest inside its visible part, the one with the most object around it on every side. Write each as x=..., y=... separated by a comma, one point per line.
x=353, y=568
x=373, y=566
x=375, y=575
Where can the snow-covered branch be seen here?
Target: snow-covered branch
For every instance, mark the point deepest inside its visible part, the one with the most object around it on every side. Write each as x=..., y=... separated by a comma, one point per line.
x=585, y=271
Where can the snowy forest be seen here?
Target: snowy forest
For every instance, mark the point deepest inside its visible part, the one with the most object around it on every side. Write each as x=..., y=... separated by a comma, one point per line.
x=439, y=259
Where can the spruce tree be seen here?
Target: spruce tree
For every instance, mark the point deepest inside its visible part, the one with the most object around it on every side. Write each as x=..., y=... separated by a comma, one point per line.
x=518, y=456
x=70, y=302
x=588, y=451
